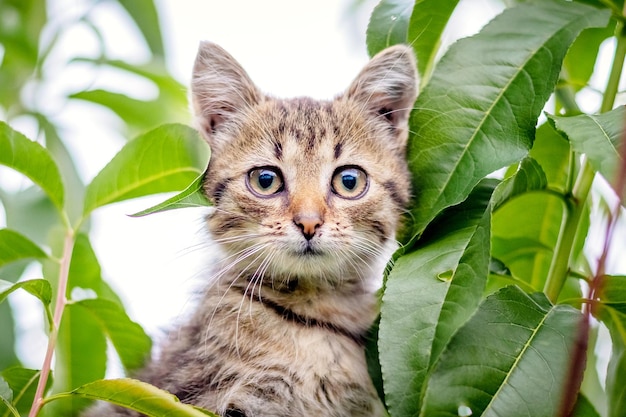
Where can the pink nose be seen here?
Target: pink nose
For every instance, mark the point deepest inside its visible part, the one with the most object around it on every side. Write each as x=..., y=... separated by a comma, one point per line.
x=308, y=224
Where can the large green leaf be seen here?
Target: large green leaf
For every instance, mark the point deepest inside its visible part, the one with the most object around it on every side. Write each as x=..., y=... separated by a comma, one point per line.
x=33, y=160
x=429, y=293
x=597, y=136
x=510, y=359
x=479, y=110
x=426, y=26
x=23, y=383
x=388, y=24
x=167, y=158
x=14, y=246
x=138, y=396
x=528, y=177
x=129, y=339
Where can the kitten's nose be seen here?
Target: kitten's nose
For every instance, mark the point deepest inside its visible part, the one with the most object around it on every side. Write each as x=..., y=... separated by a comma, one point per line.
x=308, y=224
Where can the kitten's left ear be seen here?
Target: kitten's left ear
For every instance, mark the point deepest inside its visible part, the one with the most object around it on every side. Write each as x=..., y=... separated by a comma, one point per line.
x=387, y=85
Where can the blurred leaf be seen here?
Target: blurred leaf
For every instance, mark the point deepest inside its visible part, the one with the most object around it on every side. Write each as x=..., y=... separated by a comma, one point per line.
x=511, y=358
x=552, y=152
x=32, y=213
x=597, y=136
x=85, y=271
x=137, y=395
x=8, y=356
x=476, y=114
x=14, y=246
x=32, y=160
x=612, y=312
x=139, y=114
x=388, y=24
x=23, y=382
x=40, y=288
x=144, y=14
x=166, y=159
x=428, y=20
x=20, y=28
x=74, y=186
x=80, y=358
x=6, y=394
x=525, y=231
x=129, y=339
x=429, y=293
x=192, y=196
x=584, y=408
x=580, y=60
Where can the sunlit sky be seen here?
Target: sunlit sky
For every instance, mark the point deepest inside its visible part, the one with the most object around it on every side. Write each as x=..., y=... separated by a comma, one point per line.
x=289, y=48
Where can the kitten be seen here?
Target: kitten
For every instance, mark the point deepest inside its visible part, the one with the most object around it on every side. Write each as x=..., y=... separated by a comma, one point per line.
x=308, y=195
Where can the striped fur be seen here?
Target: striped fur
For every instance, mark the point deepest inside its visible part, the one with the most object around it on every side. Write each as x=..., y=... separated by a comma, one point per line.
x=280, y=328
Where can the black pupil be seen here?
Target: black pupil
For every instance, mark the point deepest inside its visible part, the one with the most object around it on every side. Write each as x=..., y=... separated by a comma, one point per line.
x=348, y=181
x=266, y=179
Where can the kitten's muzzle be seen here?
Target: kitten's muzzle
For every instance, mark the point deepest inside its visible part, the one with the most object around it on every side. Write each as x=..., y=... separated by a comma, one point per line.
x=308, y=224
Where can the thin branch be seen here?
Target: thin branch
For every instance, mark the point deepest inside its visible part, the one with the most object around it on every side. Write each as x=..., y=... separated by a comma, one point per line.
x=61, y=301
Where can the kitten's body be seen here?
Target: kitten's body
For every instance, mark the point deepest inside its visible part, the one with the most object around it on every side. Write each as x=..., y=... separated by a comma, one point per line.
x=307, y=199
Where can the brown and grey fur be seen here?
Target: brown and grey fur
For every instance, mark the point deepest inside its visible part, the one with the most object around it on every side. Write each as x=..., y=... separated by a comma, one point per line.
x=280, y=328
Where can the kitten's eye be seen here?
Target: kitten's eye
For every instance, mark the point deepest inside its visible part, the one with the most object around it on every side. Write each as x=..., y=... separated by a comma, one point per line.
x=349, y=182
x=265, y=182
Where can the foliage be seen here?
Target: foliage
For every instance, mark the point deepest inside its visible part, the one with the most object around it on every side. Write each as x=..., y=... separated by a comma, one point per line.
x=487, y=308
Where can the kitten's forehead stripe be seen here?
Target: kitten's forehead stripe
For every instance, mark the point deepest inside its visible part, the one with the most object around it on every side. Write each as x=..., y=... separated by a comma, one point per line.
x=337, y=150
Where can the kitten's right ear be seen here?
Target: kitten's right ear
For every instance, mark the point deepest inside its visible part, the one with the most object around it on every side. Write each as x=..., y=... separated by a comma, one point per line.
x=221, y=90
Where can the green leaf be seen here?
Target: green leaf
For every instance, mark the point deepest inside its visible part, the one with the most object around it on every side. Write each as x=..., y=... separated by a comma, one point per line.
x=32, y=160
x=511, y=358
x=137, y=395
x=23, y=382
x=165, y=159
x=192, y=196
x=14, y=246
x=580, y=60
x=388, y=24
x=477, y=113
x=429, y=293
x=428, y=20
x=584, y=408
x=145, y=15
x=597, y=136
x=85, y=271
x=525, y=231
x=552, y=152
x=40, y=288
x=529, y=177
x=6, y=394
x=80, y=358
x=139, y=114
x=129, y=339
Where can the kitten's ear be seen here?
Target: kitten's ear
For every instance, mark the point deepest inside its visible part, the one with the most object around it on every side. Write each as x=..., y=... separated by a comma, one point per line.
x=387, y=85
x=221, y=89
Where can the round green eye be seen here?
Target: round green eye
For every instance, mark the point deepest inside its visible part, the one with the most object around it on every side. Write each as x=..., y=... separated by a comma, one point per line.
x=265, y=182
x=349, y=182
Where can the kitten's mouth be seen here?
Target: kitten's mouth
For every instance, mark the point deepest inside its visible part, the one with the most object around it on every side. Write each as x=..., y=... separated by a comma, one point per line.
x=309, y=250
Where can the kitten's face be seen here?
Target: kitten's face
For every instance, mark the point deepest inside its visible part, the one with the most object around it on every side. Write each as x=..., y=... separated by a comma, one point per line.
x=304, y=188
x=308, y=188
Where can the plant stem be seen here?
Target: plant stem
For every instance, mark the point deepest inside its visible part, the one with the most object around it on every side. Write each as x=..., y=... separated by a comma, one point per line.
x=574, y=210
x=61, y=301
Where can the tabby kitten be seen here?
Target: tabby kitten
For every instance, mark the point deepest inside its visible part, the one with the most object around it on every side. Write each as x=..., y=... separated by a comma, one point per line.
x=307, y=196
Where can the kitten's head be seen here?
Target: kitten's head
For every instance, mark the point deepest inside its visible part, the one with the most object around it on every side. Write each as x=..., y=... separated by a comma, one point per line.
x=304, y=188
